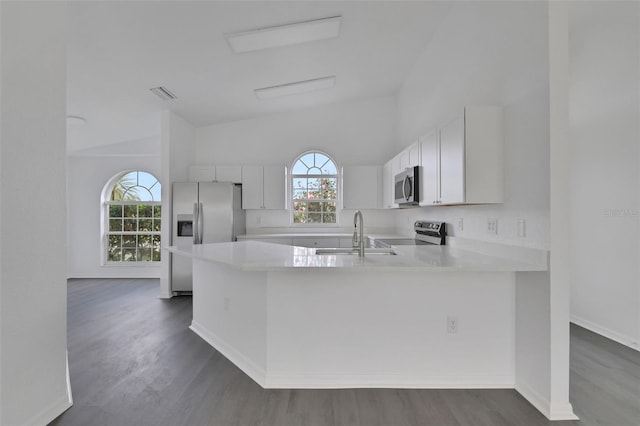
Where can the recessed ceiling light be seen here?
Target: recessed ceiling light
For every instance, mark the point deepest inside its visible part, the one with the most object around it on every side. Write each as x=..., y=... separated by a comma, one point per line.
x=75, y=121
x=295, y=88
x=284, y=35
x=163, y=93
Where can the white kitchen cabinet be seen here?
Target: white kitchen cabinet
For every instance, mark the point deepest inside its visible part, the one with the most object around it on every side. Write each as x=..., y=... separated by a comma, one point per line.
x=361, y=187
x=388, y=174
x=204, y=173
x=318, y=242
x=264, y=187
x=464, y=158
x=229, y=174
x=410, y=156
x=430, y=173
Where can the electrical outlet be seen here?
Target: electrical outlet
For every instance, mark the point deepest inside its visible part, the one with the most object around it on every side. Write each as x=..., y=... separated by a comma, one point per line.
x=522, y=228
x=452, y=324
x=492, y=226
x=227, y=303
x=460, y=224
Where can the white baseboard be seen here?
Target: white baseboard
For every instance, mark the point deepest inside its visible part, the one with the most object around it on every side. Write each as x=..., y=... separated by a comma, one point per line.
x=249, y=367
x=606, y=332
x=100, y=275
x=49, y=414
x=550, y=411
x=377, y=380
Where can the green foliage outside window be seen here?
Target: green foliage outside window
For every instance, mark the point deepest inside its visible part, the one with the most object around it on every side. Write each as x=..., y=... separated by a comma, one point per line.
x=134, y=219
x=314, y=186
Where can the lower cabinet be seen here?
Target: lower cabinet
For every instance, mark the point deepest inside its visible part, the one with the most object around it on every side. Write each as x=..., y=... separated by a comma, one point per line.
x=316, y=242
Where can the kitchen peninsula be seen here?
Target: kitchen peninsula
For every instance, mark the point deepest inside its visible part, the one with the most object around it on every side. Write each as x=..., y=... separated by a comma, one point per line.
x=426, y=317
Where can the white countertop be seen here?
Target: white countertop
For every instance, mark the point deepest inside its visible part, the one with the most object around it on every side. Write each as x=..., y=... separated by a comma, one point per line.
x=261, y=256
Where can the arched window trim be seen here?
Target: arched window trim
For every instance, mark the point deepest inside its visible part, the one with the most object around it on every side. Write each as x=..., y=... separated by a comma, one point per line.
x=331, y=215
x=138, y=226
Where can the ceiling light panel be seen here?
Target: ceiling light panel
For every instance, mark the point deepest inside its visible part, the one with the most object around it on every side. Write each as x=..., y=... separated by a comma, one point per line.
x=295, y=88
x=163, y=93
x=284, y=35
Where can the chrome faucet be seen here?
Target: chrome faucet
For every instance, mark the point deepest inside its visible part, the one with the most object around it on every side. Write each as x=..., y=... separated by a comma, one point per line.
x=358, y=239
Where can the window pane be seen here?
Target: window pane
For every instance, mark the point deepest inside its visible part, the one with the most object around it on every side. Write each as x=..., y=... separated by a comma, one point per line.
x=300, y=194
x=329, y=218
x=315, y=171
x=329, y=207
x=130, y=225
x=145, y=210
x=115, y=241
x=130, y=211
x=299, y=168
x=157, y=211
x=145, y=255
x=114, y=254
x=144, y=241
x=129, y=255
x=129, y=241
x=299, y=207
x=299, y=217
x=156, y=242
x=156, y=225
x=329, y=188
x=315, y=207
x=156, y=255
x=115, y=225
x=115, y=211
x=299, y=183
x=315, y=217
x=329, y=168
x=145, y=225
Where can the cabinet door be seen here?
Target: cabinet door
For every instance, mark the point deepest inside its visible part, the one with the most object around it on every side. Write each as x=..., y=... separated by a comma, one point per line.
x=274, y=193
x=414, y=155
x=360, y=187
x=452, y=162
x=229, y=174
x=430, y=177
x=252, y=187
x=387, y=185
x=404, y=160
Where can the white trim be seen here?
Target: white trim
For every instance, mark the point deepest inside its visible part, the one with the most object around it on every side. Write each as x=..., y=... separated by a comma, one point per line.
x=284, y=380
x=118, y=274
x=623, y=339
x=249, y=367
x=51, y=412
x=550, y=411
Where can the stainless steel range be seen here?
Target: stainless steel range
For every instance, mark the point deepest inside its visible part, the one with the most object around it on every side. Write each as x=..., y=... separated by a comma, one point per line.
x=427, y=233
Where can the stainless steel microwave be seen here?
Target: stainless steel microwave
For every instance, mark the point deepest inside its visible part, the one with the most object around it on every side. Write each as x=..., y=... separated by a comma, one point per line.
x=406, y=188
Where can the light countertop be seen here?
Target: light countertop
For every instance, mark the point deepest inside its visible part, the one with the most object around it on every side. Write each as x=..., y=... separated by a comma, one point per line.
x=261, y=256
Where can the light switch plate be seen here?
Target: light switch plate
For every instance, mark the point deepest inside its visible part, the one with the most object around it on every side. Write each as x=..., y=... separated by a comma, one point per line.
x=492, y=226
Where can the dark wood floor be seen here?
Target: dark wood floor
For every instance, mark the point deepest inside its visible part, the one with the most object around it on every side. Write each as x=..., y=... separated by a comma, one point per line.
x=133, y=361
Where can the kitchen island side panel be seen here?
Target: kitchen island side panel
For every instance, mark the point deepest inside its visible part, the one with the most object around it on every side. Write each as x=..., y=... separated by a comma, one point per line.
x=345, y=328
x=229, y=313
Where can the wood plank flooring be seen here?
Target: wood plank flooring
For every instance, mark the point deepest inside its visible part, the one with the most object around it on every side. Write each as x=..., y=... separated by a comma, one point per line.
x=134, y=362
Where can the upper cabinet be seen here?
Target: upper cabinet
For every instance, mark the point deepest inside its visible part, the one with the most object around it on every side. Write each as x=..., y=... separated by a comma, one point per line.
x=361, y=187
x=388, y=172
x=264, y=187
x=462, y=162
x=201, y=173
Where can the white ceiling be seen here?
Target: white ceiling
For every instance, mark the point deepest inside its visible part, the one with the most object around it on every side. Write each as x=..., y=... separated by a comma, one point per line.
x=118, y=50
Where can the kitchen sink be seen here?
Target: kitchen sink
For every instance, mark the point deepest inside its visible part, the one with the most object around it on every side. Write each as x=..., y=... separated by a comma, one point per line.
x=350, y=251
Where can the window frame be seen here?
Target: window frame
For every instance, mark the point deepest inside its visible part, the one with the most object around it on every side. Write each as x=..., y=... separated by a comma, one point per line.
x=106, y=232
x=290, y=185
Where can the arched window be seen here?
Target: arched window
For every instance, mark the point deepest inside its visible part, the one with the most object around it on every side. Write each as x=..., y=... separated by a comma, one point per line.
x=314, y=187
x=132, y=212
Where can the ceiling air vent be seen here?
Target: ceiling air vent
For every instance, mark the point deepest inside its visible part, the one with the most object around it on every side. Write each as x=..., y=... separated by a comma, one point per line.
x=163, y=93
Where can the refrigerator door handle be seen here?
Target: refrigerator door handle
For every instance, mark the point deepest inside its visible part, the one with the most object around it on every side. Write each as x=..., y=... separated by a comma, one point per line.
x=195, y=223
x=200, y=223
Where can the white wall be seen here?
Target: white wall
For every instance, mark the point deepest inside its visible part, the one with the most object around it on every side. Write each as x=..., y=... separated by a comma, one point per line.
x=356, y=133
x=604, y=101
x=33, y=226
x=88, y=173
x=488, y=53
x=178, y=150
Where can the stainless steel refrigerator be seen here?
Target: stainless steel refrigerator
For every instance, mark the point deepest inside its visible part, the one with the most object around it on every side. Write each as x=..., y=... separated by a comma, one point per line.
x=203, y=212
